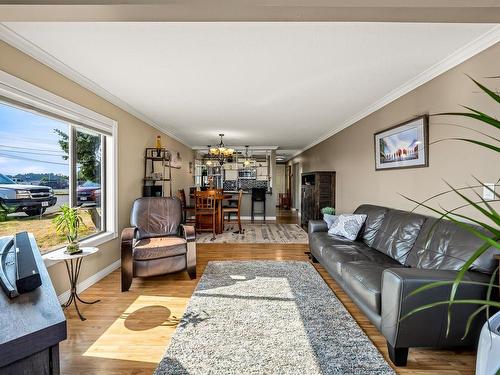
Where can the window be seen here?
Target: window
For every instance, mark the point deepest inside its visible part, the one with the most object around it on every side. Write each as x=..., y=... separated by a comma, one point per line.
x=54, y=152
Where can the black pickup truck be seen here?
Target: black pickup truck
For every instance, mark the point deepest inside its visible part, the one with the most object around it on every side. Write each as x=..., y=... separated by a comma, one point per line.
x=30, y=199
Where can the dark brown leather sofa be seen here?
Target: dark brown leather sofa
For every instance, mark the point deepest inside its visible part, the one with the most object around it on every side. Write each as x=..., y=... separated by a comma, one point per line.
x=395, y=253
x=157, y=243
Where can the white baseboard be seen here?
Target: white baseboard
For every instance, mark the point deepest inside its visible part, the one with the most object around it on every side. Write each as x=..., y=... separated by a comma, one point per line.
x=268, y=218
x=87, y=283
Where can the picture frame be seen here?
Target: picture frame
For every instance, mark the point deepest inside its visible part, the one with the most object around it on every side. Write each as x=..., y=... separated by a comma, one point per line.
x=405, y=145
x=175, y=160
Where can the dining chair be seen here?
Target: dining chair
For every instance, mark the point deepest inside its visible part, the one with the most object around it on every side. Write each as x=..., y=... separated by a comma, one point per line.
x=231, y=209
x=205, y=207
x=187, y=210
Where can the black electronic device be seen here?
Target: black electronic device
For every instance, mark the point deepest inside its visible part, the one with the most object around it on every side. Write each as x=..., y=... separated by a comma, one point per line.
x=27, y=275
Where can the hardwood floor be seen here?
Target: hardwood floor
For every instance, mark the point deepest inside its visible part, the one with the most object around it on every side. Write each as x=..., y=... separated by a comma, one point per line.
x=127, y=333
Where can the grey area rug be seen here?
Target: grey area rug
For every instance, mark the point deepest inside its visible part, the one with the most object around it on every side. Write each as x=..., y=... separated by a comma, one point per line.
x=257, y=233
x=268, y=317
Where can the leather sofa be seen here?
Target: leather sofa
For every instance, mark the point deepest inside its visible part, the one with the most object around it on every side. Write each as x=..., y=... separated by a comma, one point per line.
x=157, y=243
x=395, y=253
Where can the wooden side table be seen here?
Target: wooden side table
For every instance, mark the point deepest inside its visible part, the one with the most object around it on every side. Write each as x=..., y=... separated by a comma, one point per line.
x=73, y=266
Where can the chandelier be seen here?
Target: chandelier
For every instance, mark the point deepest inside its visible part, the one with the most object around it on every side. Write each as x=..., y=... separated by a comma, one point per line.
x=248, y=161
x=220, y=153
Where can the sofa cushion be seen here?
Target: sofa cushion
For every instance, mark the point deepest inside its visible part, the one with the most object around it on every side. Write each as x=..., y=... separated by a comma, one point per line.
x=398, y=233
x=334, y=251
x=159, y=247
x=347, y=226
x=364, y=278
x=336, y=255
x=374, y=217
x=444, y=245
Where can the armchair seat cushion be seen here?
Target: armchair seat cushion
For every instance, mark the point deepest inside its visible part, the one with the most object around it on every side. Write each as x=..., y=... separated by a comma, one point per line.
x=159, y=247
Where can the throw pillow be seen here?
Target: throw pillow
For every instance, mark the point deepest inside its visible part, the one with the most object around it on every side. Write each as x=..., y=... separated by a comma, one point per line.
x=329, y=219
x=347, y=226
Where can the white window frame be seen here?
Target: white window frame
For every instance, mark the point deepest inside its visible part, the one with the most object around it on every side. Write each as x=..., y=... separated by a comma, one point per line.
x=28, y=94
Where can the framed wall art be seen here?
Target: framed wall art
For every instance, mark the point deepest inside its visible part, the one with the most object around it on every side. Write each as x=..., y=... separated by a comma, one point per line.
x=405, y=145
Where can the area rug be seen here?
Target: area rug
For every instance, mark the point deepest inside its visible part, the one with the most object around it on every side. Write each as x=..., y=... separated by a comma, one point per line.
x=257, y=233
x=268, y=317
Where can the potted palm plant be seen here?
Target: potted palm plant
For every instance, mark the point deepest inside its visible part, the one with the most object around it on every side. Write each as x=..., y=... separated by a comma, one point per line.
x=487, y=218
x=68, y=222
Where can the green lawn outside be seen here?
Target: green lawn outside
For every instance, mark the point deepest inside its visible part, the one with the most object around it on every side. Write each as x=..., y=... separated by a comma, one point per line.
x=44, y=229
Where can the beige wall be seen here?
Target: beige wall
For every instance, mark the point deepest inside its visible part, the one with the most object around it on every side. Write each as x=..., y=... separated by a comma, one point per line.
x=133, y=136
x=351, y=152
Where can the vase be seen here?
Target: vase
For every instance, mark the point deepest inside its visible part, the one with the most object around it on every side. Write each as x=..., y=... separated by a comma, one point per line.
x=488, y=360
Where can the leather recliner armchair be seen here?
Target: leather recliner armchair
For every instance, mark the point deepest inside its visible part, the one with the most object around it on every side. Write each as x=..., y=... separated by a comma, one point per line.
x=157, y=243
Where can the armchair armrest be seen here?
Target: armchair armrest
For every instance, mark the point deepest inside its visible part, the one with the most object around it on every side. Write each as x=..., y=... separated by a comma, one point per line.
x=427, y=328
x=315, y=226
x=127, y=245
x=188, y=232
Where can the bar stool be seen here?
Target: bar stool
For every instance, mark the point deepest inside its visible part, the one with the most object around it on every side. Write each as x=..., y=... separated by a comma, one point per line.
x=237, y=210
x=259, y=195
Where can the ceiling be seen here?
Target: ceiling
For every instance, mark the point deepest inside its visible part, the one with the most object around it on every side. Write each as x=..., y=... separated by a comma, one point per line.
x=283, y=84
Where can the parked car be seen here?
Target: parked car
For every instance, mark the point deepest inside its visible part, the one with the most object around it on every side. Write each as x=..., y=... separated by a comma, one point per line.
x=88, y=193
x=30, y=199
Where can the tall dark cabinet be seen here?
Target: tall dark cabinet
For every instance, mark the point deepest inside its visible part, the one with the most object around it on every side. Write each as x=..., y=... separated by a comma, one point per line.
x=317, y=191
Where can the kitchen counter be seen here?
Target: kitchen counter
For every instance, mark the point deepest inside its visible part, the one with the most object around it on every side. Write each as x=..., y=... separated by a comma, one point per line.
x=244, y=192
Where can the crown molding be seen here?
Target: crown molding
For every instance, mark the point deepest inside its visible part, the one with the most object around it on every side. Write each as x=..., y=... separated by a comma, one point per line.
x=17, y=41
x=474, y=47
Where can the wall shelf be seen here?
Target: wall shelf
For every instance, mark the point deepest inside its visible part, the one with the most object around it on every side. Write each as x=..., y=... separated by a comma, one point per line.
x=157, y=160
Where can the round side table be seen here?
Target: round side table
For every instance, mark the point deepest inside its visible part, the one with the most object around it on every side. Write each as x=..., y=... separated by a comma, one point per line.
x=73, y=266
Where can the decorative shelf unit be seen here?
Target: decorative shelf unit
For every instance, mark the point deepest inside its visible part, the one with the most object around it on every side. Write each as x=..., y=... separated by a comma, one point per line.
x=157, y=173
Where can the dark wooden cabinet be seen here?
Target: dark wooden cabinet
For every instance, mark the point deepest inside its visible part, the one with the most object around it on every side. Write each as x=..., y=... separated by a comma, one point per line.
x=317, y=191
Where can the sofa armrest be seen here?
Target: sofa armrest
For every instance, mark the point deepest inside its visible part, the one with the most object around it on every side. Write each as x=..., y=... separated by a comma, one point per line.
x=315, y=226
x=127, y=246
x=427, y=328
x=188, y=232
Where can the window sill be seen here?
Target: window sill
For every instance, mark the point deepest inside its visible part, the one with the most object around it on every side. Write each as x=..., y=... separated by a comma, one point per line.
x=93, y=241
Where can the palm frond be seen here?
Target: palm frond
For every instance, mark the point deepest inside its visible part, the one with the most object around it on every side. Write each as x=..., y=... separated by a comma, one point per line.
x=487, y=119
x=492, y=94
x=473, y=141
x=455, y=302
x=436, y=284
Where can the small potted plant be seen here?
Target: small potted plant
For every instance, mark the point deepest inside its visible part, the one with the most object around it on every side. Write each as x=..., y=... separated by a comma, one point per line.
x=68, y=223
x=328, y=211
